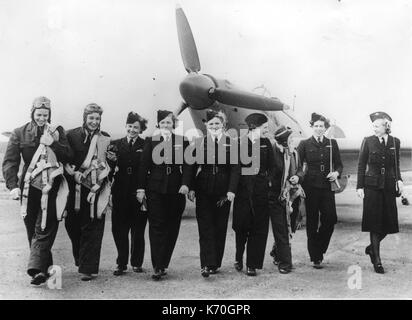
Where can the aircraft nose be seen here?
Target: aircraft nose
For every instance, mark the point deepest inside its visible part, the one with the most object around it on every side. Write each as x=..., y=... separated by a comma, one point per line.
x=195, y=90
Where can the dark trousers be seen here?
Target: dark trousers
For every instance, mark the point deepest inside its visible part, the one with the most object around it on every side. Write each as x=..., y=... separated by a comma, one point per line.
x=165, y=214
x=212, y=224
x=86, y=235
x=40, y=242
x=251, y=227
x=277, y=213
x=320, y=209
x=129, y=219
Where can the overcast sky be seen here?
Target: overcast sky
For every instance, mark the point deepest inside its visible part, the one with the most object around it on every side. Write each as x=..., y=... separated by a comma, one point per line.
x=343, y=59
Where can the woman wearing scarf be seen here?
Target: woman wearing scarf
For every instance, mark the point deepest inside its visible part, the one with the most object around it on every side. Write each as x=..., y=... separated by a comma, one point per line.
x=379, y=183
x=89, y=191
x=250, y=209
x=284, y=198
x=127, y=214
x=215, y=187
x=42, y=188
x=163, y=179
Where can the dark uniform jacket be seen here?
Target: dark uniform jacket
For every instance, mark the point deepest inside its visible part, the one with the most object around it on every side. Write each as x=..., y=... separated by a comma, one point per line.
x=128, y=162
x=216, y=175
x=265, y=170
x=317, y=158
x=376, y=168
x=25, y=141
x=168, y=176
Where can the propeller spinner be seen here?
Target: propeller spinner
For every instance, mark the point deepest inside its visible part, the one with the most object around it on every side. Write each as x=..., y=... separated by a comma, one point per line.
x=200, y=91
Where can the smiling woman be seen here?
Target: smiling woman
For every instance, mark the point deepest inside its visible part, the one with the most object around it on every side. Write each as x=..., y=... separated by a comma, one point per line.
x=163, y=180
x=214, y=188
x=323, y=167
x=42, y=188
x=87, y=175
x=250, y=207
x=379, y=183
x=128, y=215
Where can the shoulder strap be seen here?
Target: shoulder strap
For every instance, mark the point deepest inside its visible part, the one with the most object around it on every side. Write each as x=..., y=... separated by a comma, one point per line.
x=331, y=156
x=91, y=152
x=396, y=160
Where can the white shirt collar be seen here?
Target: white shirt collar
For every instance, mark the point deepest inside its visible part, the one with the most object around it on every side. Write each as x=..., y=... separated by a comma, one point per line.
x=385, y=137
x=253, y=136
x=166, y=136
x=134, y=139
x=321, y=138
x=219, y=136
x=88, y=133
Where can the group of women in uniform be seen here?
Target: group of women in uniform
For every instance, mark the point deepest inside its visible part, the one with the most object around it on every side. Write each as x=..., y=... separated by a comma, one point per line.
x=73, y=175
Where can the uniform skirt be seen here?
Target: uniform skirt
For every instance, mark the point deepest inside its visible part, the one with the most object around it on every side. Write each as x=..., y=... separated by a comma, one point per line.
x=380, y=213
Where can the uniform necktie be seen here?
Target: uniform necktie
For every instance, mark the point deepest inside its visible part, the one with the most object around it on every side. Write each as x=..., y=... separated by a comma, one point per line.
x=383, y=142
x=216, y=149
x=130, y=144
x=319, y=141
x=88, y=139
x=40, y=131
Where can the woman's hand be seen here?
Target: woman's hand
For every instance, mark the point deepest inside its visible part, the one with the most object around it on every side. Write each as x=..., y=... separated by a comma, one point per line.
x=230, y=196
x=400, y=186
x=69, y=169
x=111, y=156
x=184, y=189
x=191, y=195
x=78, y=176
x=46, y=139
x=332, y=176
x=294, y=179
x=140, y=195
x=361, y=193
x=15, y=194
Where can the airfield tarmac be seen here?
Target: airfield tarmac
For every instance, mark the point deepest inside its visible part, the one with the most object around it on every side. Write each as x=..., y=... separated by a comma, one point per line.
x=184, y=280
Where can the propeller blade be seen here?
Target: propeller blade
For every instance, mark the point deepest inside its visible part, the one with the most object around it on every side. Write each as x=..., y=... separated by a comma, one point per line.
x=186, y=42
x=246, y=100
x=335, y=132
x=180, y=109
x=6, y=134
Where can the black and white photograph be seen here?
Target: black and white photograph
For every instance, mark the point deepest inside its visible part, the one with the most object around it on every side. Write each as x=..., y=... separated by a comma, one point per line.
x=228, y=151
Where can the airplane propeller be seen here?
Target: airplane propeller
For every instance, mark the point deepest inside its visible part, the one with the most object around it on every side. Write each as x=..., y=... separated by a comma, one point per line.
x=6, y=134
x=181, y=108
x=186, y=42
x=201, y=91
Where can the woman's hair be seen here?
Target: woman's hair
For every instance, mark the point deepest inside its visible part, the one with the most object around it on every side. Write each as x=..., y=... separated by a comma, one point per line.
x=323, y=119
x=387, y=124
x=143, y=124
x=174, y=119
x=133, y=117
